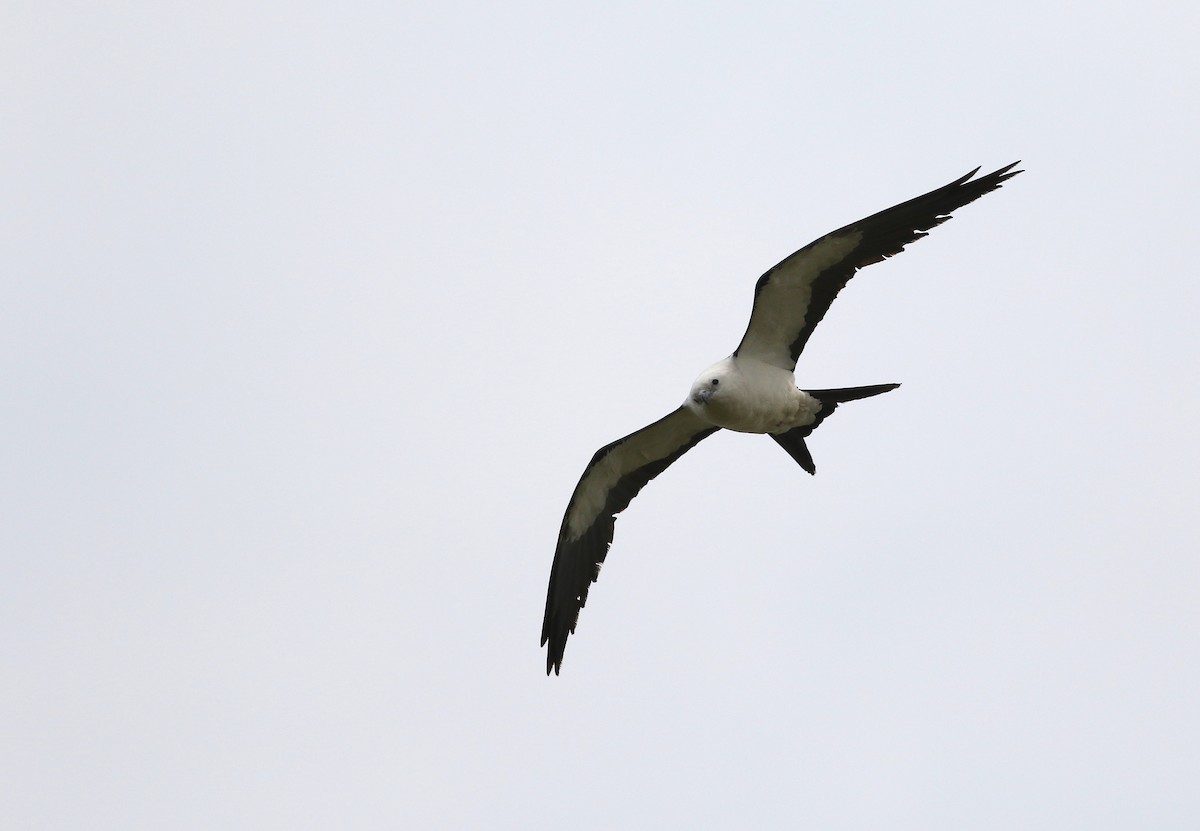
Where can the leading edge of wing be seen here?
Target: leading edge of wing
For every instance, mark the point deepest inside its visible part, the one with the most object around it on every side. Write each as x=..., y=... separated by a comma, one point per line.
x=614, y=476
x=791, y=298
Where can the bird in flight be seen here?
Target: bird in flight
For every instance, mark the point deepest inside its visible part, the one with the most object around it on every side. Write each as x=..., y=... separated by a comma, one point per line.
x=752, y=391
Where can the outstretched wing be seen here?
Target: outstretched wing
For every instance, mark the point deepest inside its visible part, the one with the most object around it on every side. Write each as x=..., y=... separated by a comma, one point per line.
x=791, y=298
x=610, y=481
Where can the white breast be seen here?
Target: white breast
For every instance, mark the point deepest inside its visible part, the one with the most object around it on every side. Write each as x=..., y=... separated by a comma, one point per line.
x=755, y=397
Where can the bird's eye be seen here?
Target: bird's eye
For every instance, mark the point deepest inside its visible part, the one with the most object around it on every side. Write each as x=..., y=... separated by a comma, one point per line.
x=715, y=382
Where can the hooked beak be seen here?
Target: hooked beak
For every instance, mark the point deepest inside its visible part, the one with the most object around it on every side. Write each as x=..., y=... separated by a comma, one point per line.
x=702, y=395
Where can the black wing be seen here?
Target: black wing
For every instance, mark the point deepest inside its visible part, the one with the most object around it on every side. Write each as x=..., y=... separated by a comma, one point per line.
x=791, y=298
x=611, y=480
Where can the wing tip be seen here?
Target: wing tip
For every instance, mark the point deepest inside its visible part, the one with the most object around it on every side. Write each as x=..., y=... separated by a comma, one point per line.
x=994, y=179
x=554, y=654
x=555, y=635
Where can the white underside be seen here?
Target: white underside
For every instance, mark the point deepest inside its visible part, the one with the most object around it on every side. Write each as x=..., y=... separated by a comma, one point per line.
x=752, y=397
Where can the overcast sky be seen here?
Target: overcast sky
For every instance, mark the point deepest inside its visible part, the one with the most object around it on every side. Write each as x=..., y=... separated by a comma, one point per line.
x=313, y=314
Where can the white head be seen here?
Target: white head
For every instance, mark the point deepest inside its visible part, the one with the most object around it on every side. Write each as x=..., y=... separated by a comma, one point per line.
x=708, y=385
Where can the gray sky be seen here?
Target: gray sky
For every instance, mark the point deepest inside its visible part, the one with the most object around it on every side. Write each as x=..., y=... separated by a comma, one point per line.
x=313, y=316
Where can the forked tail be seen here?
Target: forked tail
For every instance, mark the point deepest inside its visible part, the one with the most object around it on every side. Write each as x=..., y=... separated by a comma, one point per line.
x=793, y=440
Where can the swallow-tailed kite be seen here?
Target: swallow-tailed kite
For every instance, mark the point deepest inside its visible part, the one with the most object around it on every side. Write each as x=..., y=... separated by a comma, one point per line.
x=751, y=391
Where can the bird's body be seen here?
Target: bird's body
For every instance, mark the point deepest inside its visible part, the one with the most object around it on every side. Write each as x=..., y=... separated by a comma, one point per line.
x=750, y=396
x=751, y=391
